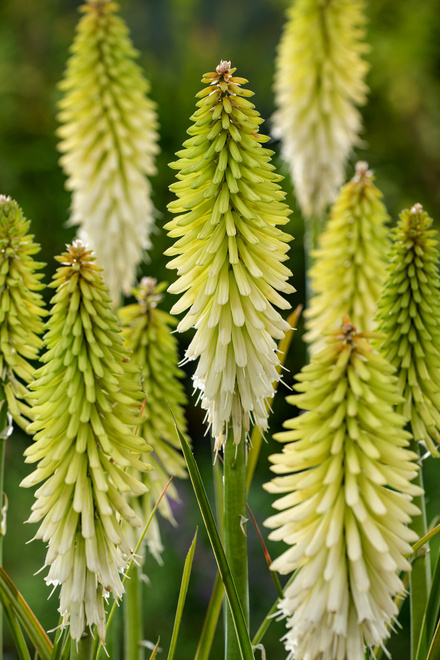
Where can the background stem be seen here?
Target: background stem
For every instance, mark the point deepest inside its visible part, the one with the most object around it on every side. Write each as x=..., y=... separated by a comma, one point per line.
x=133, y=632
x=234, y=499
x=420, y=576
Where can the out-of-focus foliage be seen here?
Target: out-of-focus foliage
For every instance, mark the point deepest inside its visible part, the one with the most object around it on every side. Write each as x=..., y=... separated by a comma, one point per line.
x=178, y=41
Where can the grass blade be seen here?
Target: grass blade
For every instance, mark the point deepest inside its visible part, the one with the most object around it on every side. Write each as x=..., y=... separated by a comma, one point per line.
x=434, y=649
x=10, y=596
x=431, y=611
x=238, y=618
x=17, y=634
x=210, y=622
x=182, y=597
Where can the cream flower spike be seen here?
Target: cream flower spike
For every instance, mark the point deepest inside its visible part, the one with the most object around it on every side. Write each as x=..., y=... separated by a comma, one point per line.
x=345, y=485
x=319, y=81
x=229, y=256
x=86, y=406
x=348, y=271
x=109, y=141
x=147, y=332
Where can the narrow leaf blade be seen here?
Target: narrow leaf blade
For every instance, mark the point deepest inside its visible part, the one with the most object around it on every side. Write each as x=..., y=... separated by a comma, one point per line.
x=182, y=597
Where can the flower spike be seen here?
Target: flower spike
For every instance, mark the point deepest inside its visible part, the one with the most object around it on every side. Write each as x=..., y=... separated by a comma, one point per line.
x=345, y=479
x=229, y=255
x=349, y=267
x=109, y=141
x=86, y=405
x=21, y=309
x=146, y=330
x=319, y=82
x=409, y=315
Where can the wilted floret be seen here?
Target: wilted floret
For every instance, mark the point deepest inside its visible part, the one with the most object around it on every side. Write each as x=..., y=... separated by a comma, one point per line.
x=347, y=491
x=409, y=315
x=21, y=309
x=230, y=253
x=109, y=140
x=319, y=82
x=87, y=401
x=349, y=267
x=147, y=333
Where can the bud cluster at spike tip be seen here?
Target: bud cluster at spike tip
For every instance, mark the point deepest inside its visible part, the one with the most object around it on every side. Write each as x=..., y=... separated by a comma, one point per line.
x=349, y=266
x=319, y=80
x=147, y=333
x=229, y=255
x=109, y=141
x=346, y=499
x=409, y=315
x=86, y=405
x=21, y=308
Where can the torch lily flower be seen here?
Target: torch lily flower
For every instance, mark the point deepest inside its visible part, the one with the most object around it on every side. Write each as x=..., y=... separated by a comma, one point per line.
x=86, y=404
x=349, y=266
x=229, y=255
x=319, y=81
x=345, y=485
x=109, y=140
x=409, y=316
x=147, y=332
x=21, y=310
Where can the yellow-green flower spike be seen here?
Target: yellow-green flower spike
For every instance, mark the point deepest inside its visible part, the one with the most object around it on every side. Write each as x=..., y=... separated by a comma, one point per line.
x=409, y=315
x=345, y=479
x=21, y=309
x=319, y=81
x=229, y=255
x=86, y=406
x=147, y=333
x=109, y=141
x=349, y=266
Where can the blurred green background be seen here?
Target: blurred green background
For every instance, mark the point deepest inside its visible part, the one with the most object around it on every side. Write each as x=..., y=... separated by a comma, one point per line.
x=178, y=41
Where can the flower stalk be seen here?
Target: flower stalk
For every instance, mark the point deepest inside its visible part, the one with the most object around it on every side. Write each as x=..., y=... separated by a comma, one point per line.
x=109, y=141
x=348, y=271
x=345, y=479
x=319, y=81
x=86, y=403
x=229, y=256
x=235, y=539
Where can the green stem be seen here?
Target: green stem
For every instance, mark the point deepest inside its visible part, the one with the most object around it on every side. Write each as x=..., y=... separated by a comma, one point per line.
x=82, y=650
x=234, y=506
x=133, y=632
x=420, y=576
x=4, y=432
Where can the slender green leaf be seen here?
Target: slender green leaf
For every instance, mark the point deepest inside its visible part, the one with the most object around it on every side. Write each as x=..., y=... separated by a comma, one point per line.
x=210, y=622
x=434, y=649
x=219, y=553
x=17, y=634
x=182, y=597
x=431, y=611
x=10, y=595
